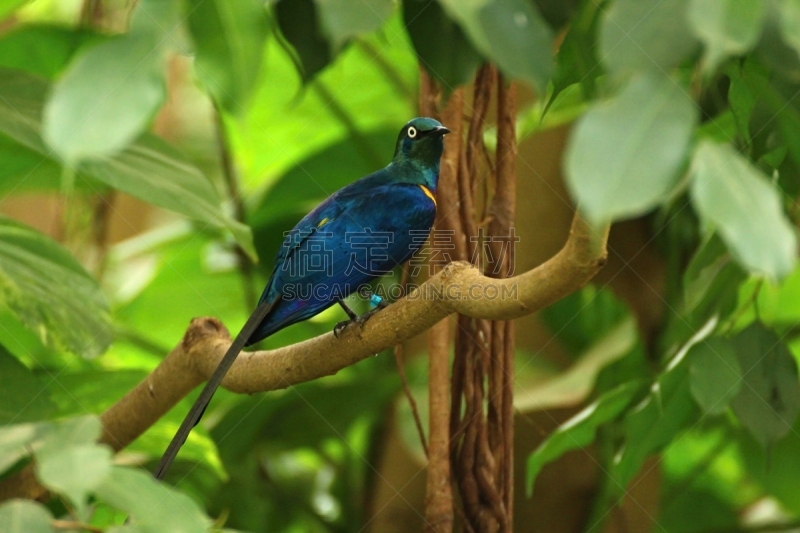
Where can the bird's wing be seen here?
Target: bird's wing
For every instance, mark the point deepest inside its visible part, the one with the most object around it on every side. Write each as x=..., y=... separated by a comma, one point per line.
x=313, y=222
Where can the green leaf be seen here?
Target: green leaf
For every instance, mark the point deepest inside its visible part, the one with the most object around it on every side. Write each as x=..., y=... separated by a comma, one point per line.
x=229, y=41
x=735, y=196
x=741, y=96
x=711, y=282
x=721, y=128
x=154, y=507
x=73, y=471
x=715, y=374
x=42, y=50
x=72, y=432
x=573, y=386
x=790, y=23
x=152, y=170
x=21, y=393
x=50, y=292
x=25, y=516
x=511, y=33
x=579, y=431
x=298, y=23
x=15, y=443
x=624, y=154
x=148, y=169
x=440, y=43
x=645, y=35
x=342, y=19
x=655, y=421
x=726, y=27
x=584, y=317
x=769, y=400
x=85, y=116
x=576, y=61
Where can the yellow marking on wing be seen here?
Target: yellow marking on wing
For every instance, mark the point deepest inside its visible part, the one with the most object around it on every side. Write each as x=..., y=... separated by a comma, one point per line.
x=428, y=193
x=323, y=222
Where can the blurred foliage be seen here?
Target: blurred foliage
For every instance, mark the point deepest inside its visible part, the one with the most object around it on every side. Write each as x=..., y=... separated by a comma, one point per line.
x=685, y=113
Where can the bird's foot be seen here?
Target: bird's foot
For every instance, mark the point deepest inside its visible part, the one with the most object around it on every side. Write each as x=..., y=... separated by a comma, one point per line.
x=378, y=302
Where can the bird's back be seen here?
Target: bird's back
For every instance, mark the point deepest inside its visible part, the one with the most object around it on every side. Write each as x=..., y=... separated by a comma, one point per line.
x=358, y=234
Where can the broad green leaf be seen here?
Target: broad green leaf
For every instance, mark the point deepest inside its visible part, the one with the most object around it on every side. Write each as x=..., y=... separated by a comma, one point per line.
x=155, y=172
x=572, y=387
x=624, y=154
x=22, y=394
x=15, y=443
x=726, y=27
x=511, y=33
x=50, y=292
x=298, y=21
x=776, y=468
x=769, y=399
x=24, y=170
x=645, y=35
x=21, y=108
x=579, y=431
x=229, y=41
x=42, y=50
x=148, y=169
x=584, y=317
x=72, y=432
x=790, y=23
x=745, y=208
x=73, y=471
x=715, y=374
x=705, y=465
x=711, y=282
x=655, y=421
x=342, y=20
x=741, y=96
x=721, y=128
x=440, y=43
x=25, y=516
x=154, y=507
x=577, y=61
x=85, y=117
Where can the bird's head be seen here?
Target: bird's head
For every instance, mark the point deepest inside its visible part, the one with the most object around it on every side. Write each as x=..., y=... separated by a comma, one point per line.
x=420, y=143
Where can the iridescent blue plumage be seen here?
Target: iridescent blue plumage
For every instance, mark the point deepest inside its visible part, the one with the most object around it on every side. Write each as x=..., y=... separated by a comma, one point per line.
x=358, y=234
x=396, y=205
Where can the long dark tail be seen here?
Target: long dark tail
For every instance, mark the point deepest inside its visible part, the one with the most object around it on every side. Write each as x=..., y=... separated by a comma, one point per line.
x=199, y=407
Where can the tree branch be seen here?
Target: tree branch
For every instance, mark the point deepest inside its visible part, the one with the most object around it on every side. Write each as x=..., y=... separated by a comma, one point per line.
x=459, y=288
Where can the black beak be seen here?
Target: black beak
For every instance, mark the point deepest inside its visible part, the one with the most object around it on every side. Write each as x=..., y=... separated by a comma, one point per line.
x=441, y=130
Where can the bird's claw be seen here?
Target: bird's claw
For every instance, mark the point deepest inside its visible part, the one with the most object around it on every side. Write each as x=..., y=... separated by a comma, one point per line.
x=340, y=327
x=359, y=320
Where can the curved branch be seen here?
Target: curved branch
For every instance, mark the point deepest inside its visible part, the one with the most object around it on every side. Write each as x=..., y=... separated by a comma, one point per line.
x=459, y=288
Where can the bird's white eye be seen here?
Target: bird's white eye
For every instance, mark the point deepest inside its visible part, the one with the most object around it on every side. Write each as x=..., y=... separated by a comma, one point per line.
x=412, y=132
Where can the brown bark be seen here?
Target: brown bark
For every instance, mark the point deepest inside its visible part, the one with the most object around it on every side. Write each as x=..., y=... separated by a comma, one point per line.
x=439, y=493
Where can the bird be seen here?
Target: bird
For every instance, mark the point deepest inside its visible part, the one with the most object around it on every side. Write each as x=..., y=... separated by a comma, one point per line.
x=356, y=235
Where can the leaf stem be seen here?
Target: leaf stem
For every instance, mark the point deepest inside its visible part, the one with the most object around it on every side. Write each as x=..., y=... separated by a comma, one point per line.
x=232, y=183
